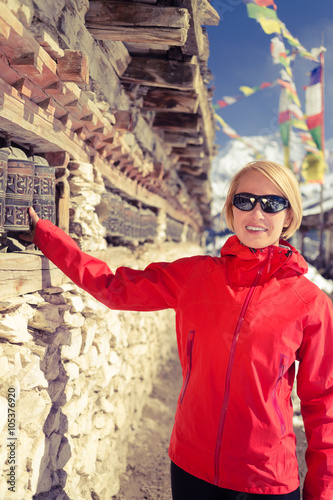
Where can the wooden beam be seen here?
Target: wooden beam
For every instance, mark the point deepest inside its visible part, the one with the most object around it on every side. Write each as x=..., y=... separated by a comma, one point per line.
x=173, y=122
x=206, y=113
x=207, y=15
x=148, y=36
x=160, y=99
x=172, y=139
x=161, y=73
x=28, y=123
x=120, y=56
x=20, y=274
x=190, y=151
x=137, y=23
x=194, y=44
x=107, y=13
x=73, y=67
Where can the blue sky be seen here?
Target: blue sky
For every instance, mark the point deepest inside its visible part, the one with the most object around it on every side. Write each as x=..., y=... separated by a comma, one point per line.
x=240, y=55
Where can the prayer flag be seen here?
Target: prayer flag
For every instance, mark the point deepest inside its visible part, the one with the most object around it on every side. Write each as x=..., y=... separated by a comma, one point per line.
x=266, y=3
x=314, y=105
x=284, y=116
x=313, y=168
x=247, y=90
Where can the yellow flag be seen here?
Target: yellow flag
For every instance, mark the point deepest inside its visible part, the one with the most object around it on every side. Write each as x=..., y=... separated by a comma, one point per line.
x=246, y=90
x=270, y=25
x=287, y=156
x=299, y=124
x=313, y=168
x=220, y=120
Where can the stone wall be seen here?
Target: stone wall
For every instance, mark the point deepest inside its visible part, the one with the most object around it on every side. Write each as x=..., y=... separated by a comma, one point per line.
x=74, y=375
x=81, y=375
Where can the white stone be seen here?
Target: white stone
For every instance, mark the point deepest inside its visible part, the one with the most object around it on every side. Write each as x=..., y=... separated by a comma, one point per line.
x=32, y=408
x=120, y=414
x=72, y=370
x=88, y=333
x=89, y=457
x=76, y=302
x=99, y=420
x=3, y=412
x=73, y=349
x=33, y=299
x=76, y=406
x=114, y=358
x=11, y=303
x=73, y=320
x=106, y=405
x=13, y=327
x=89, y=360
x=4, y=366
x=32, y=376
x=41, y=478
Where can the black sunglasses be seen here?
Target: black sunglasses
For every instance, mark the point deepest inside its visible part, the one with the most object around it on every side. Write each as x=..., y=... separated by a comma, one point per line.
x=270, y=203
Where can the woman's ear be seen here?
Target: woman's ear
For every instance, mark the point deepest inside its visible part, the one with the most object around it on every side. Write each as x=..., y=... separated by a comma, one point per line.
x=289, y=218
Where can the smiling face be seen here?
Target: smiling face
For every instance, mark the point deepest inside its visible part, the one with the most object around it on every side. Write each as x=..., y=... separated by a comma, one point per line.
x=257, y=229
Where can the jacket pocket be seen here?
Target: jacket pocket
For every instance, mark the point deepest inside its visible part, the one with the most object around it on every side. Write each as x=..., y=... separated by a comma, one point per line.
x=276, y=391
x=189, y=351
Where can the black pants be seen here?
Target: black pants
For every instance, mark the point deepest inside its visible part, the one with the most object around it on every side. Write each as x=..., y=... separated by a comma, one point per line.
x=187, y=487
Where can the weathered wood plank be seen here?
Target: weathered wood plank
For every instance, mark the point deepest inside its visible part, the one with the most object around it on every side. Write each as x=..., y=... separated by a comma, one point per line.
x=107, y=13
x=26, y=273
x=120, y=56
x=173, y=122
x=206, y=113
x=207, y=15
x=160, y=99
x=195, y=43
x=173, y=139
x=167, y=36
x=190, y=151
x=161, y=73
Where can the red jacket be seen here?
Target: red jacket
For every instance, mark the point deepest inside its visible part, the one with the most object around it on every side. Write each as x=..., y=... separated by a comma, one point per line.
x=242, y=320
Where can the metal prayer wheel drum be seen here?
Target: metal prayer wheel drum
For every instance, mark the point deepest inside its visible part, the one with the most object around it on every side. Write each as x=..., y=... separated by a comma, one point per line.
x=19, y=191
x=4, y=153
x=44, y=189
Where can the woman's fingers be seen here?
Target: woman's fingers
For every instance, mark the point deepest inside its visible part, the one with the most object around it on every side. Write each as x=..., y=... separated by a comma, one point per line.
x=34, y=219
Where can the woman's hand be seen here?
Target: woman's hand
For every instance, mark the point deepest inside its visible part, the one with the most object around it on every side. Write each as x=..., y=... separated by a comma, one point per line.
x=34, y=219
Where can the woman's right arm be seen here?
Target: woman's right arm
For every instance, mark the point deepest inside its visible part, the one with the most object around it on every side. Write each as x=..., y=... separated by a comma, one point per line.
x=157, y=287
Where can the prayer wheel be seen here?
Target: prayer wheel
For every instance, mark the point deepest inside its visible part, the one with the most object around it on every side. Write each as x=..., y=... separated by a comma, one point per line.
x=4, y=153
x=19, y=191
x=44, y=189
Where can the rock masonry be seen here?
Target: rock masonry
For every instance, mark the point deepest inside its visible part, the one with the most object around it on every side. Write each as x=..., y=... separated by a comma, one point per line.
x=75, y=375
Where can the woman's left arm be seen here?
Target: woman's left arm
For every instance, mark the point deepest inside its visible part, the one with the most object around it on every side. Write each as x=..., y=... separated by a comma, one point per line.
x=315, y=389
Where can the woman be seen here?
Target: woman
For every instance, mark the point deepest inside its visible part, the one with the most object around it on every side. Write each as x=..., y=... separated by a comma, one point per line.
x=242, y=321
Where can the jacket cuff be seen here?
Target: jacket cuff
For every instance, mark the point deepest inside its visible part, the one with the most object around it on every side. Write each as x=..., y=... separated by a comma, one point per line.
x=43, y=229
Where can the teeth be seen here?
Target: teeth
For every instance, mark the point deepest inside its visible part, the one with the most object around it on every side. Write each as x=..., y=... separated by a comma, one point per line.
x=253, y=228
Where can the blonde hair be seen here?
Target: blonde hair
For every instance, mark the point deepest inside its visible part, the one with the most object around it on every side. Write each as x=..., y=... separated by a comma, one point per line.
x=283, y=179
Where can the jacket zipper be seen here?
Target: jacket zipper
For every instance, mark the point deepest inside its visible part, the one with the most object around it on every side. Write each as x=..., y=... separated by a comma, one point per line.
x=229, y=369
x=190, y=341
x=282, y=370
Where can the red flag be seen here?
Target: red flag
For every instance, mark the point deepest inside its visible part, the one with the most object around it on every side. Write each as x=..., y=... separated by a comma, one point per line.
x=265, y=3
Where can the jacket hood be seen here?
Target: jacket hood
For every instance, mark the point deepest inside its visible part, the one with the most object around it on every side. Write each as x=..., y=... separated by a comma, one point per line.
x=271, y=259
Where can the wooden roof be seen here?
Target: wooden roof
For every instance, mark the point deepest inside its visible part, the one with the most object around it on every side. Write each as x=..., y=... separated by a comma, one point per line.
x=133, y=98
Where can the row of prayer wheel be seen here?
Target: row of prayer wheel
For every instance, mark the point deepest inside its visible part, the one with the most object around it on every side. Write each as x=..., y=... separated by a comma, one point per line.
x=24, y=182
x=126, y=221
